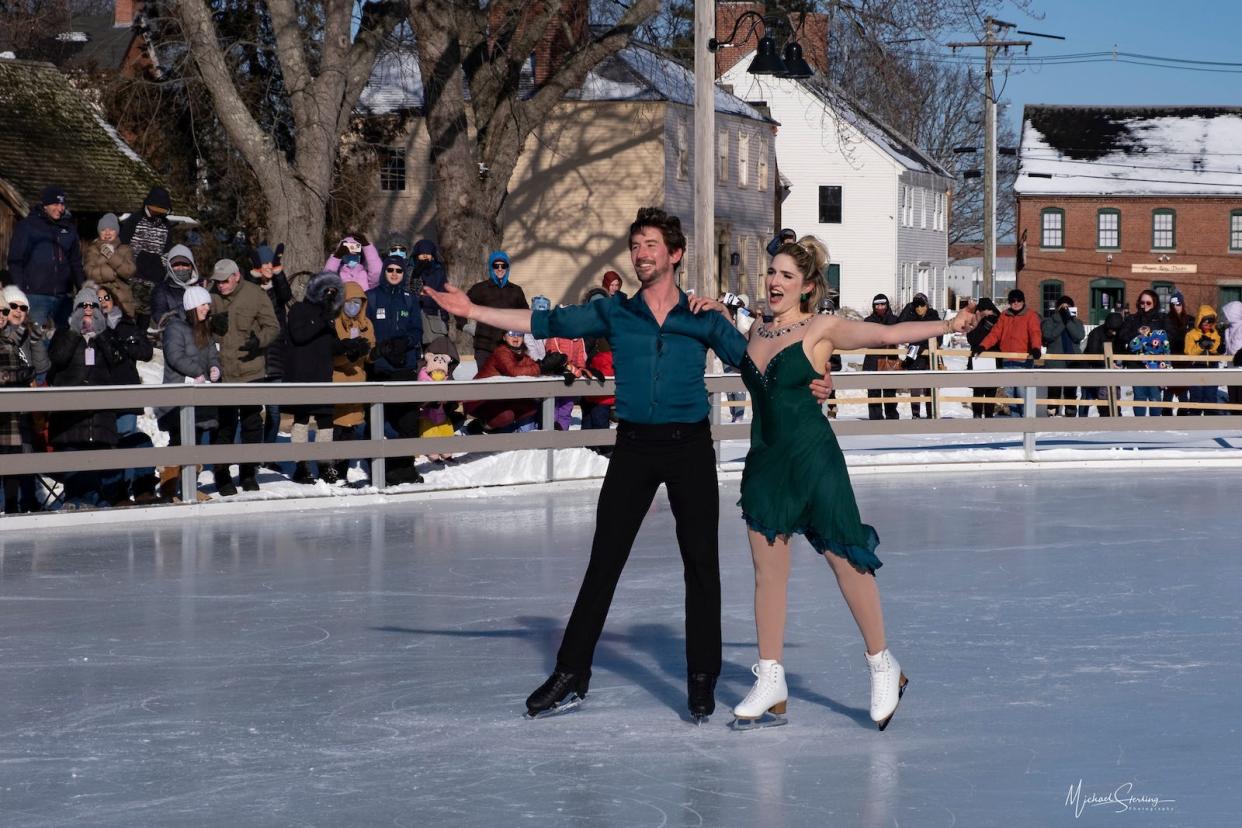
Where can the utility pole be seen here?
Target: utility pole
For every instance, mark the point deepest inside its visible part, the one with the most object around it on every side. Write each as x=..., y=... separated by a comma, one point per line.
x=704, y=149
x=990, y=45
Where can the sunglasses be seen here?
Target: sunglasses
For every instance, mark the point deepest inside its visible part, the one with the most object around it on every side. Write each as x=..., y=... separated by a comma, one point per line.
x=1147, y=304
x=19, y=307
x=394, y=270
x=500, y=266
x=1017, y=301
x=87, y=305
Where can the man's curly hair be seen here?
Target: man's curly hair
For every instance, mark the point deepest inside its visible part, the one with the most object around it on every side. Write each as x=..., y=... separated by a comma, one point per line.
x=669, y=227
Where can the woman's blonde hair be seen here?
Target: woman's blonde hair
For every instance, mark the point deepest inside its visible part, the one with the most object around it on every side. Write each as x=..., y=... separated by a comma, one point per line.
x=811, y=256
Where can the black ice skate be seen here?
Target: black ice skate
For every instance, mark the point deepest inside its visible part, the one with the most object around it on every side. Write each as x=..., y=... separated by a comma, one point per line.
x=701, y=690
x=561, y=693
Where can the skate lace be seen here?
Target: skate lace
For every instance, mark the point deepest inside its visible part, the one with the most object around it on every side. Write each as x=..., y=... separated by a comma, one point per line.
x=767, y=680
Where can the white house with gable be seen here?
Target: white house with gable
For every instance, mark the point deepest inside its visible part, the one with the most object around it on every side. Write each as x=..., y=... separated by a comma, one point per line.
x=878, y=201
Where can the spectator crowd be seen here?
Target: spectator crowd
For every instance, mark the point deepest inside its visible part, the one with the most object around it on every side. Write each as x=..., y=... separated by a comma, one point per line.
x=79, y=314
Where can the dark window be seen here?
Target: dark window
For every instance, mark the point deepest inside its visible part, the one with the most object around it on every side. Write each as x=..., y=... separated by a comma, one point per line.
x=829, y=205
x=392, y=169
x=1164, y=290
x=834, y=277
x=1050, y=291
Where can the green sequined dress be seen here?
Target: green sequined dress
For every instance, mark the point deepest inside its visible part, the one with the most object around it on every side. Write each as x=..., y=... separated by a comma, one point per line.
x=795, y=480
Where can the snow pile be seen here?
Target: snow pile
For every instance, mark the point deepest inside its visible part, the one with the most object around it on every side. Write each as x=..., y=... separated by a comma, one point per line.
x=1126, y=152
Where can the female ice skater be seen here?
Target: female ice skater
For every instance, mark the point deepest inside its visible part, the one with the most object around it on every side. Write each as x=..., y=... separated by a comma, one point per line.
x=795, y=480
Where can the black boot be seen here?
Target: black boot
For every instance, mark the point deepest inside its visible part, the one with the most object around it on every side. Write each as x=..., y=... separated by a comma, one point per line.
x=562, y=691
x=224, y=482
x=302, y=473
x=701, y=690
x=327, y=472
x=248, y=473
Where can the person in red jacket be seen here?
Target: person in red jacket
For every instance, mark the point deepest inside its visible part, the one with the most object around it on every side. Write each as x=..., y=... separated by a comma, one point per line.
x=509, y=360
x=1016, y=331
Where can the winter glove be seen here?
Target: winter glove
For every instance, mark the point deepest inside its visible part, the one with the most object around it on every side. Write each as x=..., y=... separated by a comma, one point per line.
x=568, y=377
x=595, y=372
x=250, y=348
x=975, y=352
x=219, y=323
x=356, y=349
x=907, y=363
x=1206, y=344
x=394, y=350
x=553, y=364
x=17, y=377
x=360, y=238
x=106, y=342
x=1064, y=314
x=1036, y=353
x=278, y=257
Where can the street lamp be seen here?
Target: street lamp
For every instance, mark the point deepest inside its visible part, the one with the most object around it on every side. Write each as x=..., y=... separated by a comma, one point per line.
x=768, y=61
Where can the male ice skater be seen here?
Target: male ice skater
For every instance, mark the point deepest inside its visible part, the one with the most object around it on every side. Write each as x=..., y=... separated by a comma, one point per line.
x=663, y=436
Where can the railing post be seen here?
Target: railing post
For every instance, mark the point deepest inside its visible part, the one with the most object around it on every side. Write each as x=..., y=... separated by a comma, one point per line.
x=715, y=399
x=189, y=473
x=548, y=423
x=1028, y=437
x=379, y=465
x=934, y=365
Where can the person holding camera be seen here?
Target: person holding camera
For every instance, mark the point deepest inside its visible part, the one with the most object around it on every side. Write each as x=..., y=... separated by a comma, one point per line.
x=918, y=354
x=353, y=352
x=243, y=325
x=1062, y=332
x=1204, y=340
x=427, y=269
x=735, y=305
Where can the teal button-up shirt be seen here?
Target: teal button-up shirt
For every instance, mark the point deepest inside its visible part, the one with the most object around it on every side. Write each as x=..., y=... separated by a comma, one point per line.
x=659, y=369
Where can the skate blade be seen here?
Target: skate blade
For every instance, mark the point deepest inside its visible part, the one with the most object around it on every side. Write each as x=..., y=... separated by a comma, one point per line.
x=560, y=709
x=901, y=691
x=699, y=721
x=762, y=723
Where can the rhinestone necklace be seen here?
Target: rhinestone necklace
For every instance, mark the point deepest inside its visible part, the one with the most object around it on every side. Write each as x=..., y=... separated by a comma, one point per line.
x=767, y=331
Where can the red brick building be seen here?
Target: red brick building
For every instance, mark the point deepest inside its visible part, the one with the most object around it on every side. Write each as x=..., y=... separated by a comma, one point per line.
x=1112, y=200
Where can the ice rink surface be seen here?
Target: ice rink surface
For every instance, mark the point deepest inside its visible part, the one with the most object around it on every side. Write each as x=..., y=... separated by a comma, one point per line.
x=1062, y=631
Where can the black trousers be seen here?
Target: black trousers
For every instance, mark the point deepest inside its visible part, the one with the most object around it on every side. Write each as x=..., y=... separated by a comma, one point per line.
x=681, y=456
x=251, y=419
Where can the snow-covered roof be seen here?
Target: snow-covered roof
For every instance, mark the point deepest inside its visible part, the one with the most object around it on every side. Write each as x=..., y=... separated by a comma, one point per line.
x=886, y=138
x=1128, y=150
x=635, y=73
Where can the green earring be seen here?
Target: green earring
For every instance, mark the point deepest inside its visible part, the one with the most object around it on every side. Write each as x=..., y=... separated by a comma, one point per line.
x=804, y=296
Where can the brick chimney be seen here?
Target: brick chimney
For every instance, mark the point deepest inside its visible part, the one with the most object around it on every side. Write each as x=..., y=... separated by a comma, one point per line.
x=747, y=39
x=568, y=27
x=124, y=12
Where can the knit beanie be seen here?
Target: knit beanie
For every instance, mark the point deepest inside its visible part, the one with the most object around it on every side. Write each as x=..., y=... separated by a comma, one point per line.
x=195, y=296
x=109, y=222
x=1016, y=295
x=14, y=295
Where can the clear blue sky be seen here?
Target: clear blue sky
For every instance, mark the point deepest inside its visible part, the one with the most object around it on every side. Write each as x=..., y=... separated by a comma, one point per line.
x=1192, y=29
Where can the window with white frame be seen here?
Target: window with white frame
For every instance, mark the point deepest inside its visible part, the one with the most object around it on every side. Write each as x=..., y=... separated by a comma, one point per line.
x=683, y=149
x=1235, y=230
x=761, y=166
x=722, y=152
x=906, y=212
x=392, y=169
x=1108, y=229
x=923, y=208
x=1052, y=228
x=1163, y=226
x=743, y=159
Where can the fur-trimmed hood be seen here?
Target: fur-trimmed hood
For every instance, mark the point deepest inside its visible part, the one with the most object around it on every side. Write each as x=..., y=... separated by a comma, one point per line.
x=318, y=287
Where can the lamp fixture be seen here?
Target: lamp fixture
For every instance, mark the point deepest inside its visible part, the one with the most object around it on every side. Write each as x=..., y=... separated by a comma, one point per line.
x=768, y=59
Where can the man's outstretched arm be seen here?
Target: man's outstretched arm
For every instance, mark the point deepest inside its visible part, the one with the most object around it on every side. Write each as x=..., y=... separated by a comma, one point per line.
x=455, y=301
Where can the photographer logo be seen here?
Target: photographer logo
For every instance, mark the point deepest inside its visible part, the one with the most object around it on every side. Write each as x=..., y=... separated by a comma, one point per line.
x=1121, y=799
